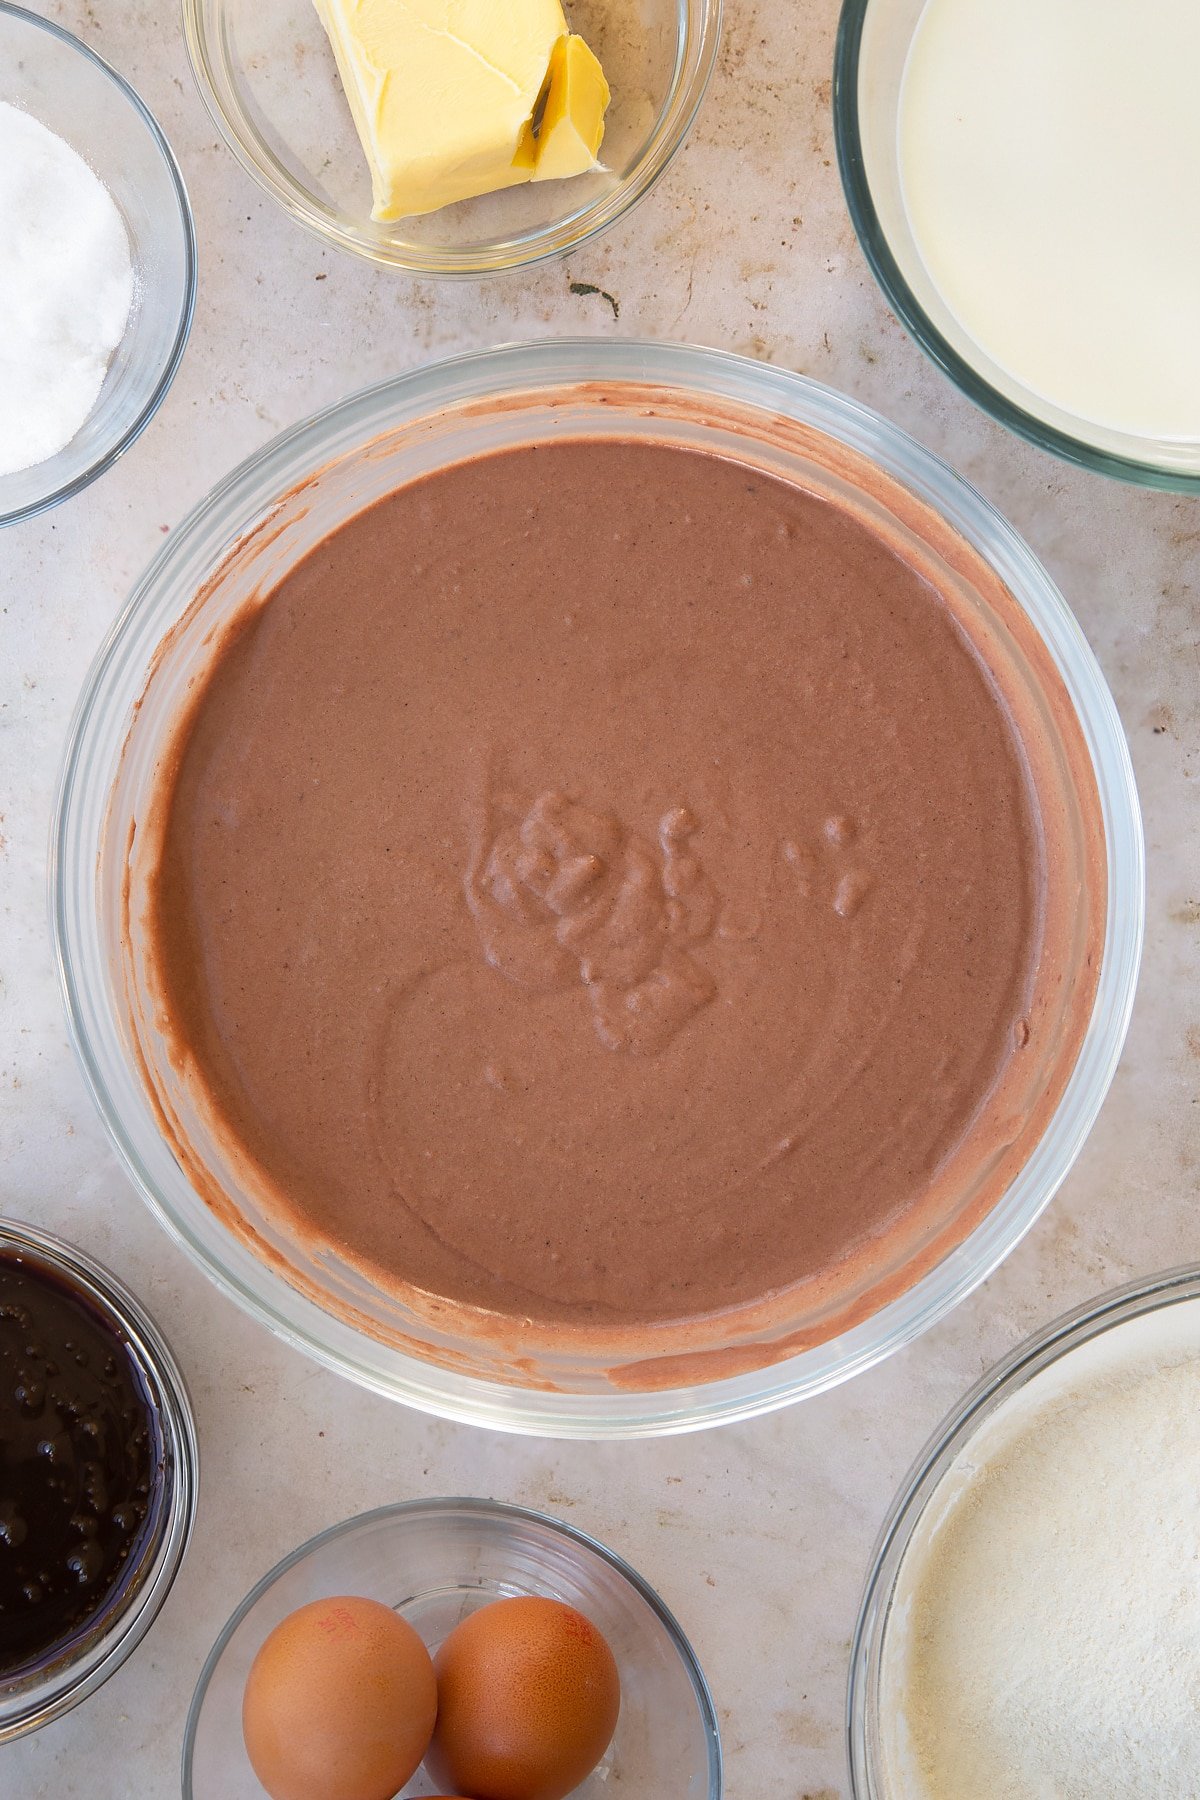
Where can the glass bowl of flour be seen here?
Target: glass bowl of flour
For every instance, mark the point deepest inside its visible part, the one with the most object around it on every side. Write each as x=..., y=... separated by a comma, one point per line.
x=98, y=273
x=1031, y=1626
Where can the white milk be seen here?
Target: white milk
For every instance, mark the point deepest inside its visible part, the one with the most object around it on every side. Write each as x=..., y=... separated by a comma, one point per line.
x=1050, y=162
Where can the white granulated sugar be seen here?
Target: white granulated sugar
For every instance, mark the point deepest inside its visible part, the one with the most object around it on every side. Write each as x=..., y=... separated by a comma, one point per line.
x=1045, y=1639
x=66, y=287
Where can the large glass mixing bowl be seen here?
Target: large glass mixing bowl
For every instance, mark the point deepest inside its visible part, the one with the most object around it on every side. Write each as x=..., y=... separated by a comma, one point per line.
x=239, y=542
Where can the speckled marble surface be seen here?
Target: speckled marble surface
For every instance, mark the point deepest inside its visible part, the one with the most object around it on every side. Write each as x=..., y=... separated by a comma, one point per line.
x=759, y=1535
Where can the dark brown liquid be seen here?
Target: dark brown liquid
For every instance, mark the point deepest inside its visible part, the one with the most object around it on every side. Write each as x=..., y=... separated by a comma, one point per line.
x=80, y=1449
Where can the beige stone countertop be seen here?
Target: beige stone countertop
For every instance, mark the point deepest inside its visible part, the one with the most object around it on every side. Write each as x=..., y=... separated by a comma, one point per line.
x=758, y=1535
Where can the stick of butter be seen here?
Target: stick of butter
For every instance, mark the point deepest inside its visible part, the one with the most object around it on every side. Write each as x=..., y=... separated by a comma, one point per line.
x=454, y=98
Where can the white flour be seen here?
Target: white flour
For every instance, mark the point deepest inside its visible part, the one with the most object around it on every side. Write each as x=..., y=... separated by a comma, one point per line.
x=66, y=287
x=1046, y=1638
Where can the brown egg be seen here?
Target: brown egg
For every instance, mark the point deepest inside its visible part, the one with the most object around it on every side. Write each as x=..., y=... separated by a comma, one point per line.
x=528, y=1697
x=339, y=1703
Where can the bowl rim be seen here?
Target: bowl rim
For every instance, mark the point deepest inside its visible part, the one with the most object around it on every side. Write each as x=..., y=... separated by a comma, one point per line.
x=64, y=1689
x=1028, y=1360
x=497, y=256
x=542, y=366
x=399, y=1510
x=900, y=297
x=105, y=460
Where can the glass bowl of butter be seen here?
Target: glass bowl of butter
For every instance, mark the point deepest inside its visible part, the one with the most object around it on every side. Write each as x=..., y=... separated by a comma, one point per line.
x=454, y=137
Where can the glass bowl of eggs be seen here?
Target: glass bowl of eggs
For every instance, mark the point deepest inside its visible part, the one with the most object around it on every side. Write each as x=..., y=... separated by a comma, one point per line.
x=555, y=1670
x=283, y=101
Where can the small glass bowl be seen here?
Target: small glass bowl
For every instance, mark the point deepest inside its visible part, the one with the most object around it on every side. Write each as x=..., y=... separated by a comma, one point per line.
x=73, y=92
x=873, y=42
x=267, y=75
x=61, y=1682
x=435, y=1561
x=868, y=1774
x=241, y=540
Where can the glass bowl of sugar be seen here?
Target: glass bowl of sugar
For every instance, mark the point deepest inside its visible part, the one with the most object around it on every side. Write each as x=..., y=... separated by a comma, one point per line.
x=1021, y=178
x=1031, y=1623
x=99, y=275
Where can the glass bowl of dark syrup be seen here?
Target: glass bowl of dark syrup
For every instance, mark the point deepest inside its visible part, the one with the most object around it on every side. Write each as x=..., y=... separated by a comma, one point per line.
x=97, y=1476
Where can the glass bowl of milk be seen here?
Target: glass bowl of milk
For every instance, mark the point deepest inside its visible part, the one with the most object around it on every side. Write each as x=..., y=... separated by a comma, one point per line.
x=1021, y=177
x=98, y=279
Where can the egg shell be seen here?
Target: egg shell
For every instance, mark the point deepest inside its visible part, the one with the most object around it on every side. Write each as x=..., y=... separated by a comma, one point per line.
x=528, y=1699
x=339, y=1703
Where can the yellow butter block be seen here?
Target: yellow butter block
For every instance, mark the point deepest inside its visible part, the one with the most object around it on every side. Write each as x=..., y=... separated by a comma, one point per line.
x=454, y=98
x=572, y=122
